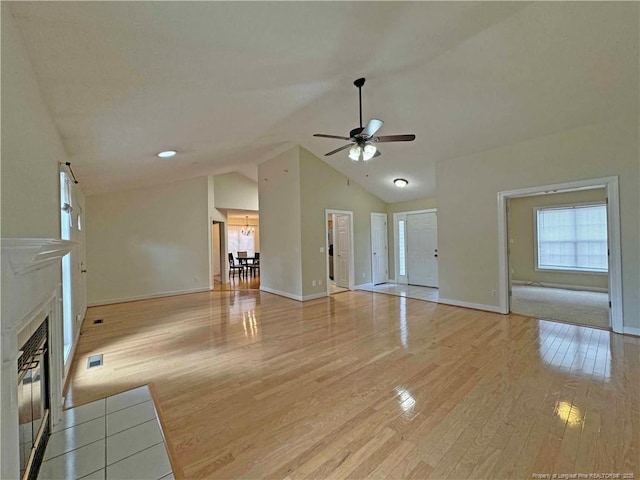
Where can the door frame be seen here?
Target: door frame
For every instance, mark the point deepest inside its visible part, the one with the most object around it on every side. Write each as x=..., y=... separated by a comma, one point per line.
x=396, y=251
x=610, y=184
x=327, y=213
x=386, y=245
x=224, y=261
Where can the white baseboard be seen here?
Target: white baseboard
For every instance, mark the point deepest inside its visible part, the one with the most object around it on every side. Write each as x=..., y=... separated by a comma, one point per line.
x=559, y=285
x=475, y=306
x=632, y=331
x=292, y=296
x=72, y=353
x=146, y=297
x=313, y=296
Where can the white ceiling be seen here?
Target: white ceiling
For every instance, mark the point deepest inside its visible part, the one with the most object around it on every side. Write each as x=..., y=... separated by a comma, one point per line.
x=226, y=84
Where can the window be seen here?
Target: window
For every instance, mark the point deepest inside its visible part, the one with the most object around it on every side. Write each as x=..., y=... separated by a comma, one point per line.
x=572, y=238
x=239, y=241
x=66, y=207
x=66, y=225
x=402, y=265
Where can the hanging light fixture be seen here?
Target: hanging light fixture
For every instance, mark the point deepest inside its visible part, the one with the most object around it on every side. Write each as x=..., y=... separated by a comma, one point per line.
x=357, y=153
x=247, y=230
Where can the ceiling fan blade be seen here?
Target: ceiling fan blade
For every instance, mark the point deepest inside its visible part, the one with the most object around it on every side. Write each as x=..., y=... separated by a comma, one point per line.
x=338, y=149
x=395, y=138
x=330, y=136
x=372, y=127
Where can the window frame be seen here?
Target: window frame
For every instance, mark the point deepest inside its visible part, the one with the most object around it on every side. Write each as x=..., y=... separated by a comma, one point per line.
x=536, y=263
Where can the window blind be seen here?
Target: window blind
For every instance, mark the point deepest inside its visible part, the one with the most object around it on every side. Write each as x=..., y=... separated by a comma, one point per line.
x=573, y=238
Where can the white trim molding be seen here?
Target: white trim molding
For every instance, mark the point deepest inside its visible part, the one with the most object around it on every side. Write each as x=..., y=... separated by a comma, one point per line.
x=613, y=229
x=314, y=296
x=29, y=254
x=293, y=296
x=280, y=293
x=560, y=285
x=475, y=306
x=632, y=331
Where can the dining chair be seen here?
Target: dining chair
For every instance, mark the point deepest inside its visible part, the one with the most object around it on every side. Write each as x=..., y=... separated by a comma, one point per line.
x=233, y=267
x=255, y=265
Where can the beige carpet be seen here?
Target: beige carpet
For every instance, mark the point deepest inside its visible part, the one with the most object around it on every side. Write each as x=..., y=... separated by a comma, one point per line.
x=583, y=308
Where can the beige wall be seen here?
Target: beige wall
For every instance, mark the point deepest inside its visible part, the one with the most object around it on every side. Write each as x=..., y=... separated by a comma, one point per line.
x=322, y=187
x=521, y=235
x=295, y=189
x=235, y=191
x=280, y=242
x=148, y=241
x=31, y=146
x=31, y=153
x=467, y=202
x=398, y=207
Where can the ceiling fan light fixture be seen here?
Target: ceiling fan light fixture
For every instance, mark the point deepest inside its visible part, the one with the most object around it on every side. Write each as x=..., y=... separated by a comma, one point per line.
x=354, y=153
x=400, y=182
x=369, y=152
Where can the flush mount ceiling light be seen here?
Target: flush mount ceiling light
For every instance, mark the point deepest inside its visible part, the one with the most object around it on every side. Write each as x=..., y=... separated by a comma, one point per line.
x=167, y=153
x=400, y=182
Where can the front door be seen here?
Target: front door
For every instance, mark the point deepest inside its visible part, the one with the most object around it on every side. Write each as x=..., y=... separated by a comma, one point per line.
x=422, y=249
x=378, y=248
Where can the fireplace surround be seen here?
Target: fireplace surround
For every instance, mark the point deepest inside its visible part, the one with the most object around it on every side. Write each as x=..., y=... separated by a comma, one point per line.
x=31, y=293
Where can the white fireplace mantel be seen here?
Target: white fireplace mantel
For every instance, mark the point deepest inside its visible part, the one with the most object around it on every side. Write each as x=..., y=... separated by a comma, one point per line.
x=28, y=254
x=31, y=292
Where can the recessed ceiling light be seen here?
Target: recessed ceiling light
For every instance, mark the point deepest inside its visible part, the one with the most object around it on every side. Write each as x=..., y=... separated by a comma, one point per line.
x=400, y=182
x=167, y=153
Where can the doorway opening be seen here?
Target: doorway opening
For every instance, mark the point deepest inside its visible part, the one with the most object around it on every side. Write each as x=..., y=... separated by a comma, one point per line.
x=339, y=248
x=575, y=237
x=241, y=247
x=218, y=264
x=558, y=266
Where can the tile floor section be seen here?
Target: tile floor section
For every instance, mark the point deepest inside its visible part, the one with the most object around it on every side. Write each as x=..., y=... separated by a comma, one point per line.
x=410, y=291
x=116, y=438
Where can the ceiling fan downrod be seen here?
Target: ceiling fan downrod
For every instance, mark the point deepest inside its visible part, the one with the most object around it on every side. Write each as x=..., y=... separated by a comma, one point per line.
x=359, y=83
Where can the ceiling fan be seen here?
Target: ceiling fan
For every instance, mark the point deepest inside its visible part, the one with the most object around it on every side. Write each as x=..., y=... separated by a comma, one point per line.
x=362, y=139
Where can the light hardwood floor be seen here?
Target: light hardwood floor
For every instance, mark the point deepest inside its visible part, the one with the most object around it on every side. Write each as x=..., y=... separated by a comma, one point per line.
x=252, y=385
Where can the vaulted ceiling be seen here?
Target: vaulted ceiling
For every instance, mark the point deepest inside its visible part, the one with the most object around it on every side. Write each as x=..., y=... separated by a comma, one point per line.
x=226, y=84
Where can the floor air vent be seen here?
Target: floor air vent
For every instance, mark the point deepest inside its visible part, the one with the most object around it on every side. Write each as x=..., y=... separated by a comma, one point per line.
x=96, y=322
x=94, y=361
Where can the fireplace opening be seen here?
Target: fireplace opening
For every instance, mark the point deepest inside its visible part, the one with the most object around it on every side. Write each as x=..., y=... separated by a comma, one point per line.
x=34, y=401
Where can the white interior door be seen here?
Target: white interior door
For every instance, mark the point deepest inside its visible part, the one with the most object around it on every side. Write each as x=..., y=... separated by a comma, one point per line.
x=342, y=249
x=378, y=248
x=422, y=249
